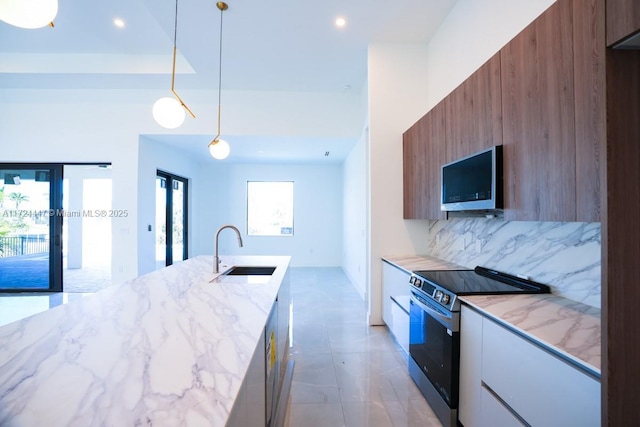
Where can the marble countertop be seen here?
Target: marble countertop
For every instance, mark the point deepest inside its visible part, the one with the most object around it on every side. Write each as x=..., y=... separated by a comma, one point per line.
x=166, y=348
x=564, y=326
x=568, y=327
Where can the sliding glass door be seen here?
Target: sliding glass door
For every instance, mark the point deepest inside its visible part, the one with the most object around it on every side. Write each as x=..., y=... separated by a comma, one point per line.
x=30, y=227
x=171, y=219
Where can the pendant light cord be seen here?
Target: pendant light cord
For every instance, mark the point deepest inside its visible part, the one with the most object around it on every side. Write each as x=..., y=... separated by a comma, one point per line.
x=175, y=27
x=219, y=78
x=173, y=70
x=175, y=48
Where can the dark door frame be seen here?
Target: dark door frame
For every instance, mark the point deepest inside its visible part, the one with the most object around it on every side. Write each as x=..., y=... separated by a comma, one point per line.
x=55, y=223
x=170, y=178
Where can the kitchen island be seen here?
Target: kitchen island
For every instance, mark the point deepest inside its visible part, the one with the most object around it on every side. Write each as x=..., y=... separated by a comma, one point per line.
x=168, y=348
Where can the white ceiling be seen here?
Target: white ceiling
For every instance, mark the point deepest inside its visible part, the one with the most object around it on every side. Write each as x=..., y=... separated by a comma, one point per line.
x=290, y=45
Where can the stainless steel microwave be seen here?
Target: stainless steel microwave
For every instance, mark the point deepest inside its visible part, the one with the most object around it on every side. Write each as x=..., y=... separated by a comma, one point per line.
x=473, y=182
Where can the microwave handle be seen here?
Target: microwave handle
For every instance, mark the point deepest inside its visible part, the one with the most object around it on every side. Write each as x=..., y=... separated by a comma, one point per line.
x=444, y=320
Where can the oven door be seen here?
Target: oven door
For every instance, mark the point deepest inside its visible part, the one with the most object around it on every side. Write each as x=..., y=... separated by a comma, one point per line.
x=434, y=344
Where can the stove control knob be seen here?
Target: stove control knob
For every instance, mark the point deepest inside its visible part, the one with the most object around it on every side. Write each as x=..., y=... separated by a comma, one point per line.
x=412, y=280
x=439, y=295
x=417, y=283
x=445, y=299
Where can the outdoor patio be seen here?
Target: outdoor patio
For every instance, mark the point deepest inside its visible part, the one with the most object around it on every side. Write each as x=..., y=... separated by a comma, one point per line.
x=31, y=272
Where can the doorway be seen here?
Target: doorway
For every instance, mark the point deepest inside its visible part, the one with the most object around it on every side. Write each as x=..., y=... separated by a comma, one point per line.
x=171, y=219
x=86, y=230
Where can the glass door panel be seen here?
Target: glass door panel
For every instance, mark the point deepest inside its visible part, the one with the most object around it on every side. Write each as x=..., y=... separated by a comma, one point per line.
x=179, y=220
x=30, y=223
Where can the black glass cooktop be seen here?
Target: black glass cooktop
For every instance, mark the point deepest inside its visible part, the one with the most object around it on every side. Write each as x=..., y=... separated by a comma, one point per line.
x=481, y=281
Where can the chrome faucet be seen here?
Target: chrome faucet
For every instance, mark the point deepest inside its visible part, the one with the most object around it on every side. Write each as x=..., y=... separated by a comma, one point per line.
x=216, y=259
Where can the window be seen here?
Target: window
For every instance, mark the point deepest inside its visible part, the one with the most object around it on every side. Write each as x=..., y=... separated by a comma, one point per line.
x=269, y=208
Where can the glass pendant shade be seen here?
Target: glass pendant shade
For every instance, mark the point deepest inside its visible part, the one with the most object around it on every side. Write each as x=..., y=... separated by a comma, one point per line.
x=168, y=112
x=28, y=13
x=219, y=149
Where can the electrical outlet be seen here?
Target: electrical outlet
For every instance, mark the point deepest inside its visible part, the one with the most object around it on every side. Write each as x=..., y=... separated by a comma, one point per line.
x=478, y=245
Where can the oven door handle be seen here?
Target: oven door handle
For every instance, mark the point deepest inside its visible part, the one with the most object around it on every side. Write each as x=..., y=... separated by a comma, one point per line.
x=446, y=321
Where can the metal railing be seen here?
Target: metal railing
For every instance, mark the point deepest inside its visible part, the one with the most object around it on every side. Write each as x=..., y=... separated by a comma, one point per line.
x=26, y=244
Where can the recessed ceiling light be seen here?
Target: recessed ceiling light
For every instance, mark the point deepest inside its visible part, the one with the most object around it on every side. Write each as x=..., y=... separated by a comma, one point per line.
x=118, y=22
x=340, y=22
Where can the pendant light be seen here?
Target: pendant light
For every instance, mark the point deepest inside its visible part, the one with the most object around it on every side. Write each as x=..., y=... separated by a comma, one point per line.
x=28, y=13
x=219, y=148
x=170, y=112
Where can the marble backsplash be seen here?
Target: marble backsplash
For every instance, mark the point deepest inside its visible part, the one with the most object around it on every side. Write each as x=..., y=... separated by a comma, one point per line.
x=563, y=255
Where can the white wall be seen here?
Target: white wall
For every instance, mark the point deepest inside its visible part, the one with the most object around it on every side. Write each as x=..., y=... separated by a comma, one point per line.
x=397, y=99
x=317, y=239
x=355, y=213
x=472, y=33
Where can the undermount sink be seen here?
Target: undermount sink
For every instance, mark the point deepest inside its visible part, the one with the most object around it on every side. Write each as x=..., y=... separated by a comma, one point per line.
x=244, y=270
x=246, y=274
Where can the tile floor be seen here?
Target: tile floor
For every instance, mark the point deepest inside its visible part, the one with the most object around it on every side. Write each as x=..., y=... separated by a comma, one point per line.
x=346, y=373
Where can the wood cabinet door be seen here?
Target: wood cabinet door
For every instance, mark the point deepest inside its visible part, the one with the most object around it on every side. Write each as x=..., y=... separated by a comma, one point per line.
x=623, y=19
x=474, y=112
x=590, y=105
x=539, y=119
x=423, y=155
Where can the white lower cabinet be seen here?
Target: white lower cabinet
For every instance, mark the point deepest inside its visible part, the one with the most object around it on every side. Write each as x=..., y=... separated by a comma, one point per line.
x=470, y=367
x=505, y=378
x=395, y=283
x=494, y=413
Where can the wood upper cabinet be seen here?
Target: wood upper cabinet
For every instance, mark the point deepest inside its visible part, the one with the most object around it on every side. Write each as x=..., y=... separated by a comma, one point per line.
x=623, y=19
x=474, y=112
x=542, y=97
x=423, y=155
x=539, y=119
x=590, y=106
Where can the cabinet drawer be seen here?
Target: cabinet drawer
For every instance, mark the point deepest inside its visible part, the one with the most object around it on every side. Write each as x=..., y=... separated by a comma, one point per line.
x=400, y=326
x=395, y=282
x=543, y=389
x=494, y=413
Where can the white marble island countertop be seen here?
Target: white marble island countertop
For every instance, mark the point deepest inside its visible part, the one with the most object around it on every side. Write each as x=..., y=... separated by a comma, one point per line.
x=168, y=348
